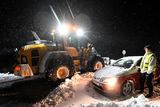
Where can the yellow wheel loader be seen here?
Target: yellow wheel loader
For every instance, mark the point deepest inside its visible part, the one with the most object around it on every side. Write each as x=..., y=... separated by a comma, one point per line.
x=56, y=60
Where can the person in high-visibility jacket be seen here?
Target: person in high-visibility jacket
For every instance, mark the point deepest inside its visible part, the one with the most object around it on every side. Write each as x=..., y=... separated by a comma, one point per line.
x=148, y=68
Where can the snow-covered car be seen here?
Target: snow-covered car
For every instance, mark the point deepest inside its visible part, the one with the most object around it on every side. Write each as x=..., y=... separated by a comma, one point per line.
x=120, y=78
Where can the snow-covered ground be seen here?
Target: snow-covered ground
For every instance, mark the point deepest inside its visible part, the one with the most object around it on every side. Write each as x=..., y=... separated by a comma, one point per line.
x=78, y=92
x=8, y=77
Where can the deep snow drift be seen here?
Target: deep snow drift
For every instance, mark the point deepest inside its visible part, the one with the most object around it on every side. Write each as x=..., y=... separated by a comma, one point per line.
x=78, y=92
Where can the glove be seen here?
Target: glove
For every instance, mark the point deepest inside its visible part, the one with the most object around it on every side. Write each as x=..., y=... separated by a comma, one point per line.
x=142, y=71
x=149, y=75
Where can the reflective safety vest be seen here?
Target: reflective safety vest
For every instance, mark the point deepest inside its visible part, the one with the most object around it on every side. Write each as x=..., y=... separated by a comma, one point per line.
x=146, y=61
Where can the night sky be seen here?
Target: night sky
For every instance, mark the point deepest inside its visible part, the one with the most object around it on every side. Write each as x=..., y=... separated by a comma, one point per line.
x=112, y=25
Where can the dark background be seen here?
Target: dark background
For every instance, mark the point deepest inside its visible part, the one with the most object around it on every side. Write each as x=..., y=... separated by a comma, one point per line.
x=112, y=25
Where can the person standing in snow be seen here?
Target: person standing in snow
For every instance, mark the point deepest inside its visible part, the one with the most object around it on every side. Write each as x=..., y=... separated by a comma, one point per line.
x=148, y=67
x=85, y=52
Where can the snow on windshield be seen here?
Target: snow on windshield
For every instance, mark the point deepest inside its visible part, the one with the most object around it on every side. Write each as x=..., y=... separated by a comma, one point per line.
x=126, y=62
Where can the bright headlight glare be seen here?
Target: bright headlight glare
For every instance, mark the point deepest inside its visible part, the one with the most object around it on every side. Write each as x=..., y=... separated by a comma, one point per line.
x=63, y=29
x=110, y=81
x=80, y=32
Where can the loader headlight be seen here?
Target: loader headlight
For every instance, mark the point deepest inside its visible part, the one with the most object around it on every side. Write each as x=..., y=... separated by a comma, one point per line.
x=66, y=28
x=79, y=32
x=63, y=29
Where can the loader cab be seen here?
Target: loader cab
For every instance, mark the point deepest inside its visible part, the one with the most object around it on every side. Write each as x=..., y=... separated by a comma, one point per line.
x=73, y=41
x=77, y=42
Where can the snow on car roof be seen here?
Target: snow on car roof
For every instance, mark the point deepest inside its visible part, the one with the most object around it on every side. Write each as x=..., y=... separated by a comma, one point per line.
x=132, y=57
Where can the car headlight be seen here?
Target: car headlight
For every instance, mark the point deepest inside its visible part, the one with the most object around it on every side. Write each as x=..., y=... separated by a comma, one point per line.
x=109, y=81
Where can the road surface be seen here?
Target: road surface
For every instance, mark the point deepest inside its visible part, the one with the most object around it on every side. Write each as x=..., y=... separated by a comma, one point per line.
x=24, y=92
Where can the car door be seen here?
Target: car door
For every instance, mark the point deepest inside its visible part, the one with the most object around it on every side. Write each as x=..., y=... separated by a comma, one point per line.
x=137, y=74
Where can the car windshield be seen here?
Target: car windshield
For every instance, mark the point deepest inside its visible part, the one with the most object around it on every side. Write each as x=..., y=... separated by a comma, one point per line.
x=125, y=63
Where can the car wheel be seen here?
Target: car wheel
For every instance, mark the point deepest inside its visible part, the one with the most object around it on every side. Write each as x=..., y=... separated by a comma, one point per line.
x=127, y=88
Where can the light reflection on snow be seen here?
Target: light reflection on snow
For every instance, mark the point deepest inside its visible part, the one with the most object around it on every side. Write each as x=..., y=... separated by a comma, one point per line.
x=78, y=92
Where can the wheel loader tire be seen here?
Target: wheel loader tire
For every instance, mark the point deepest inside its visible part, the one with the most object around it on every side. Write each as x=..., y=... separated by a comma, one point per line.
x=58, y=72
x=96, y=64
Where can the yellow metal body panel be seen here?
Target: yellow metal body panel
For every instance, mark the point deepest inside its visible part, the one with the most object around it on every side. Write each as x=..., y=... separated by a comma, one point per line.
x=75, y=55
x=26, y=51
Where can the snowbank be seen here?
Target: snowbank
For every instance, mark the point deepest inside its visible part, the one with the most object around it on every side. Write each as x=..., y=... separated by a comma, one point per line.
x=140, y=101
x=8, y=77
x=78, y=92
